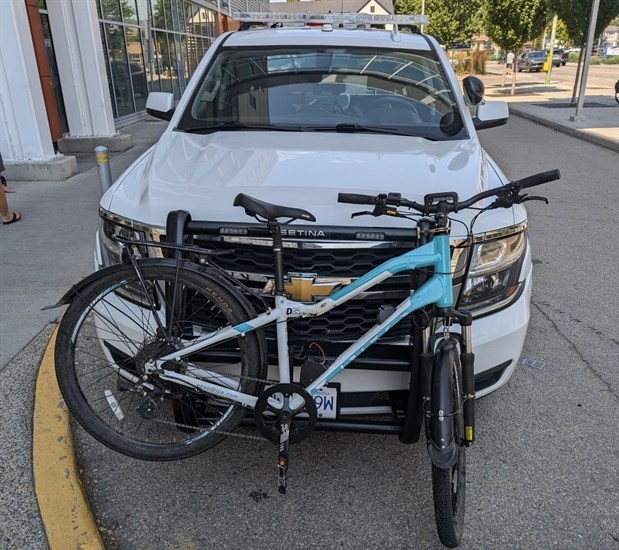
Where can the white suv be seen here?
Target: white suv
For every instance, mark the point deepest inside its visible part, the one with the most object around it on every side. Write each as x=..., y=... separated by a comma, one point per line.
x=294, y=116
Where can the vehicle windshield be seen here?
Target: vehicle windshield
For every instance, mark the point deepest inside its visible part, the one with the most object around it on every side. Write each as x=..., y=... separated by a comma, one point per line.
x=537, y=54
x=328, y=89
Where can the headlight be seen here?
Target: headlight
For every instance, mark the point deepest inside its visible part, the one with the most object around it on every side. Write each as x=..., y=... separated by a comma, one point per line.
x=115, y=226
x=111, y=252
x=494, y=270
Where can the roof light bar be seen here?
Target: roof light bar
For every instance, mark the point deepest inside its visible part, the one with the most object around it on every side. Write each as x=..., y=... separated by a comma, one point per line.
x=333, y=18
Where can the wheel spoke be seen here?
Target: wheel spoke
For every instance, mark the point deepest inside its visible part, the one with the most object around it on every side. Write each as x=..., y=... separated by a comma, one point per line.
x=107, y=350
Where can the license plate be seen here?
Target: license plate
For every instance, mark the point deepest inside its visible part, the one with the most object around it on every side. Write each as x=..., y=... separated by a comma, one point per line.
x=326, y=402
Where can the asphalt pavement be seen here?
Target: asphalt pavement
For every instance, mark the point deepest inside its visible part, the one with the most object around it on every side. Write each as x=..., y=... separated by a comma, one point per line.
x=52, y=247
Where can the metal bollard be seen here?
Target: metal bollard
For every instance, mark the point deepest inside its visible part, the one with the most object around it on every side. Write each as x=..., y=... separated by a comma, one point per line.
x=103, y=167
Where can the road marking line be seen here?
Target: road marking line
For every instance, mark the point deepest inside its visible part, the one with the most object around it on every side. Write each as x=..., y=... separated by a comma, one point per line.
x=64, y=509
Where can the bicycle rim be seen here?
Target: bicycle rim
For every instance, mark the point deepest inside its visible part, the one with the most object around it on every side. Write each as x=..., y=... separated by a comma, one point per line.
x=117, y=327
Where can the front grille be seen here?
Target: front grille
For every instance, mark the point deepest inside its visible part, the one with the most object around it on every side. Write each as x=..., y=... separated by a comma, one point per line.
x=254, y=265
x=334, y=262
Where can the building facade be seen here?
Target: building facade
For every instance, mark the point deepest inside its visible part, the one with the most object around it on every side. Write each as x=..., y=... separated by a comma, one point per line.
x=73, y=72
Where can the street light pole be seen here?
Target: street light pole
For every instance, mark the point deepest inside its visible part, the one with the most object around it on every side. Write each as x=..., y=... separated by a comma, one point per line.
x=585, y=71
x=551, y=49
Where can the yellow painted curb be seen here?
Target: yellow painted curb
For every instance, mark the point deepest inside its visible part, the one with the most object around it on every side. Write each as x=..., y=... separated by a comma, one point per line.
x=64, y=509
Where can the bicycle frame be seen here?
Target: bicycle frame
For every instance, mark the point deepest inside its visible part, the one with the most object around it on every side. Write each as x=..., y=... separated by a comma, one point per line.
x=436, y=290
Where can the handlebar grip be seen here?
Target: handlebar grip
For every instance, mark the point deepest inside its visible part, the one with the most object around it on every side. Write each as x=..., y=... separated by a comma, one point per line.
x=537, y=179
x=353, y=198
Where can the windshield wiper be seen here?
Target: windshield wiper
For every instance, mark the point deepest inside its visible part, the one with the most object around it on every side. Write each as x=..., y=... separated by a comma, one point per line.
x=236, y=126
x=347, y=128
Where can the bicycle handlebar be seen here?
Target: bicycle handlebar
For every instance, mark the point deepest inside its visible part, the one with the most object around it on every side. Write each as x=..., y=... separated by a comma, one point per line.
x=448, y=202
x=353, y=198
x=537, y=179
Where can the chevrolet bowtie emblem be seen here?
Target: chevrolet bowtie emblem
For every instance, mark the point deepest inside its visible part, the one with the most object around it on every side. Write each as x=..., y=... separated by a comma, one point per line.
x=306, y=287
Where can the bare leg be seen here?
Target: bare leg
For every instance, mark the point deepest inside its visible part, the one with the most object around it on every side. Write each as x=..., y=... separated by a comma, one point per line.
x=6, y=188
x=7, y=215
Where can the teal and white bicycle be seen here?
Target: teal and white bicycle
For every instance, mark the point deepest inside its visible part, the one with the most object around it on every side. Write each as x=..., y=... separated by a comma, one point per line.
x=162, y=358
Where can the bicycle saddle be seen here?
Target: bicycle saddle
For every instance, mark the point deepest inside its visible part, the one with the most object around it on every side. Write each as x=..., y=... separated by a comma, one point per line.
x=254, y=207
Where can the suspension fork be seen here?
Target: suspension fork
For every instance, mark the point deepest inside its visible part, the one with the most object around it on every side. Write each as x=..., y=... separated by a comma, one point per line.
x=467, y=360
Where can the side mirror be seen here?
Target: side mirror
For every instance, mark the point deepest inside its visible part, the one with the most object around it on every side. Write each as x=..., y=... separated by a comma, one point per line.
x=474, y=89
x=491, y=114
x=160, y=105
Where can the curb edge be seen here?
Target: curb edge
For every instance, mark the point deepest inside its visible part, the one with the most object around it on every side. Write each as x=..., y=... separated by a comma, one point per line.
x=62, y=503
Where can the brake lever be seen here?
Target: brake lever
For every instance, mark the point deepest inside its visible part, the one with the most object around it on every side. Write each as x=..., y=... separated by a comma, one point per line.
x=525, y=198
x=365, y=213
x=378, y=211
x=507, y=200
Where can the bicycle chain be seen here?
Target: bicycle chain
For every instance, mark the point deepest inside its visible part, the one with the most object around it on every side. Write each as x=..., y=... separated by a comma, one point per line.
x=260, y=438
x=214, y=430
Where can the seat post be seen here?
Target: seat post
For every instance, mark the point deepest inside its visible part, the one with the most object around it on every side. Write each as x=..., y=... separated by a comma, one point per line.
x=278, y=255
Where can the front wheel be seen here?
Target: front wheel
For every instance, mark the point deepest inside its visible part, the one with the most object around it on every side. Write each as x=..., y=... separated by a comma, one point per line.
x=449, y=484
x=107, y=346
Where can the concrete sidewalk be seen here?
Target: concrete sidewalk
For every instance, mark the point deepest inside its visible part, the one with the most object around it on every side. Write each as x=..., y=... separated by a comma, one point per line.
x=52, y=247
x=41, y=256
x=550, y=105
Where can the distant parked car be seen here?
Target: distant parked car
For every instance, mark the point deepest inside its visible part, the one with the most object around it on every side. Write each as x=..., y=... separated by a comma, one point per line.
x=556, y=57
x=561, y=54
x=531, y=61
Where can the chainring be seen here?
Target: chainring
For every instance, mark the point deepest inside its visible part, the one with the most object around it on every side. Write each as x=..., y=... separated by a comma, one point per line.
x=273, y=408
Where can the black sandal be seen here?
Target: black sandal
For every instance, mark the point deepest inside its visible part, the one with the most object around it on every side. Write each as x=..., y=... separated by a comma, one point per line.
x=16, y=217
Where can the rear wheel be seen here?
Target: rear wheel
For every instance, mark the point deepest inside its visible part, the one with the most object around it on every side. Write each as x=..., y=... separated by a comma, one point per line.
x=448, y=485
x=109, y=339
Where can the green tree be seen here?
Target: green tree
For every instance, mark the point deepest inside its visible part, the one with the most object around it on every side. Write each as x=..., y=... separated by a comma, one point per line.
x=576, y=14
x=451, y=21
x=562, y=36
x=511, y=23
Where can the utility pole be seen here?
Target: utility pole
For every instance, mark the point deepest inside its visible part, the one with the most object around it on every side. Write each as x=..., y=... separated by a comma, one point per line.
x=585, y=71
x=551, y=49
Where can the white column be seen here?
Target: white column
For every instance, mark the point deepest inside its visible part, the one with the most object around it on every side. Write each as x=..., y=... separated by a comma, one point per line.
x=81, y=65
x=24, y=130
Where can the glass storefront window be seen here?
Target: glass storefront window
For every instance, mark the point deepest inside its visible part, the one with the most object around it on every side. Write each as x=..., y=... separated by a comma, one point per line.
x=119, y=69
x=143, y=12
x=171, y=14
x=159, y=14
x=181, y=32
x=137, y=68
x=129, y=11
x=111, y=10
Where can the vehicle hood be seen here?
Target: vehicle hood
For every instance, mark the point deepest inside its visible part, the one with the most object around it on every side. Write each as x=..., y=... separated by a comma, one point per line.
x=203, y=174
